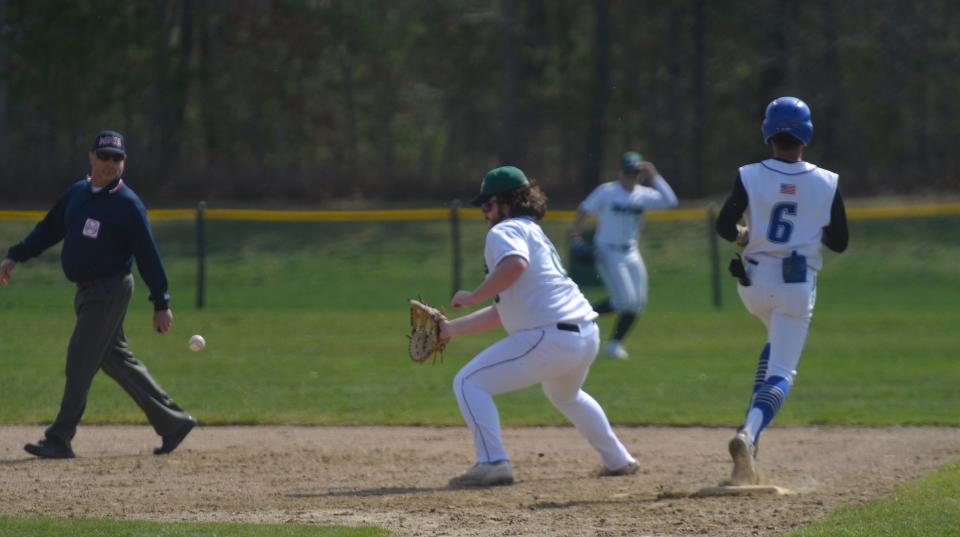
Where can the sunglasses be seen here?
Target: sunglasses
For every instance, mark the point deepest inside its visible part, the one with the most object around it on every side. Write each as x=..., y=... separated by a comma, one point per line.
x=109, y=155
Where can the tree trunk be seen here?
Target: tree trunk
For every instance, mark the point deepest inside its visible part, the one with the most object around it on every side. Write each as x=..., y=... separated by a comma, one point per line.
x=4, y=136
x=697, y=147
x=773, y=76
x=600, y=95
x=171, y=86
x=343, y=30
x=510, y=73
x=829, y=113
x=205, y=74
x=180, y=83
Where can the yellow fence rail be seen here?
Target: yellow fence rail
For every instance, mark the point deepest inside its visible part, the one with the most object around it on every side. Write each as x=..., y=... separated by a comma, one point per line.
x=406, y=215
x=453, y=216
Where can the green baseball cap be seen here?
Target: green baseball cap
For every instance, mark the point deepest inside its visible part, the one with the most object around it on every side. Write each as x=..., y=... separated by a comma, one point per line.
x=497, y=180
x=631, y=159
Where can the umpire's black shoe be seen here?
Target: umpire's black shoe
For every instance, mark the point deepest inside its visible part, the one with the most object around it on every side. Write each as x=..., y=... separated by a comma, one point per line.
x=171, y=441
x=48, y=449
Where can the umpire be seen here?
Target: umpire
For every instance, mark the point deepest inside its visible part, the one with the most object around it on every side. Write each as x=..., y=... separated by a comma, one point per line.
x=104, y=227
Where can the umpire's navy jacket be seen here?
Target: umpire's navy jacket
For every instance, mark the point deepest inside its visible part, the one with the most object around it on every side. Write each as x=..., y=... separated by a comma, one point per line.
x=102, y=233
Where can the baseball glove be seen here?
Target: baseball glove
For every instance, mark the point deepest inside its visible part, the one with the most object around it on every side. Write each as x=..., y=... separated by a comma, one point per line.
x=424, y=336
x=581, y=252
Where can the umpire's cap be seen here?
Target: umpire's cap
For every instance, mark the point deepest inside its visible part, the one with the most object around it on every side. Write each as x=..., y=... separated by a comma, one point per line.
x=109, y=141
x=497, y=180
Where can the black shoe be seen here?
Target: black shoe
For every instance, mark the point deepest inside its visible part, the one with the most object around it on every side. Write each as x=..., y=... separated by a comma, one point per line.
x=171, y=441
x=46, y=449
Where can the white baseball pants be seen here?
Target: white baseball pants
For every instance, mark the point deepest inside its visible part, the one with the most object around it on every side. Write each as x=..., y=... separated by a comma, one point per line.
x=625, y=276
x=785, y=309
x=558, y=360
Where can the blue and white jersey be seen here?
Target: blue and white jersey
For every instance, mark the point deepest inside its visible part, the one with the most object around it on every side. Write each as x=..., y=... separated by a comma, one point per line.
x=544, y=294
x=621, y=211
x=789, y=205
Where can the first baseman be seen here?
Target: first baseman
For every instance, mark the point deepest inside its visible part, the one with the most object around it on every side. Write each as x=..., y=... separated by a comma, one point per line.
x=621, y=205
x=790, y=206
x=552, y=337
x=104, y=227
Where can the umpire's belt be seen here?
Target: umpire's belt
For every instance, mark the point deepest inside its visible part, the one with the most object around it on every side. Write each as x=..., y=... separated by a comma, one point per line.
x=90, y=284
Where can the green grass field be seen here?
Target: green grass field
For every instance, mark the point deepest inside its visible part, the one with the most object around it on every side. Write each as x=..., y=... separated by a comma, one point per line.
x=306, y=323
x=929, y=507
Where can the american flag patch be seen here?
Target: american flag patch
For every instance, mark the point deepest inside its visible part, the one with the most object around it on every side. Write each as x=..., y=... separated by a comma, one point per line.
x=788, y=188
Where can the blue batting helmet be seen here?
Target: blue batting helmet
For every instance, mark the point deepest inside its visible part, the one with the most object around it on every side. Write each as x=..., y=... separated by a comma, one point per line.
x=789, y=115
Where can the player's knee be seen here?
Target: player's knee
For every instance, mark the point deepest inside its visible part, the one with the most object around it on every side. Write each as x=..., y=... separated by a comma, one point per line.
x=459, y=383
x=559, y=398
x=628, y=305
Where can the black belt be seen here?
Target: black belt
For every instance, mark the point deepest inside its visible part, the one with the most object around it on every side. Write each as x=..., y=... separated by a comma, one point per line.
x=568, y=327
x=90, y=284
x=621, y=247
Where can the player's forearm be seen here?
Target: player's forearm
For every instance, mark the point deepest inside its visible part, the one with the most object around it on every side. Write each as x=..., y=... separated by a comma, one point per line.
x=481, y=320
x=835, y=235
x=577, y=230
x=504, y=275
x=38, y=241
x=732, y=211
x=668, y=199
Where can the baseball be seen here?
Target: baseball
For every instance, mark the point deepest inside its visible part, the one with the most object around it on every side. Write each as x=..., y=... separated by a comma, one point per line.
x=197, y=343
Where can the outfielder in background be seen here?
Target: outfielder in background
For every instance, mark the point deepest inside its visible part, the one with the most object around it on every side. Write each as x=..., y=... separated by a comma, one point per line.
x=552, y=333
x=791, y=206
x=621, y=205
x=104, y=227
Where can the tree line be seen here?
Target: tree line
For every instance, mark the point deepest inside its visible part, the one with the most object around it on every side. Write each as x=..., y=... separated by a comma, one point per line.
x=312, y=101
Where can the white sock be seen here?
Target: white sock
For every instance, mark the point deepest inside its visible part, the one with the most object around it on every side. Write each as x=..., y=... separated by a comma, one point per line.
x=752, y=424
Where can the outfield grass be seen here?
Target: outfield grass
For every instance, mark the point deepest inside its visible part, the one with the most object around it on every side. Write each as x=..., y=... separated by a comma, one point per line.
x=929, y=507
x=306, y=324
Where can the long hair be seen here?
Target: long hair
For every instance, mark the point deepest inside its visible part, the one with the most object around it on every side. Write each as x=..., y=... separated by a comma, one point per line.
x=527, y=201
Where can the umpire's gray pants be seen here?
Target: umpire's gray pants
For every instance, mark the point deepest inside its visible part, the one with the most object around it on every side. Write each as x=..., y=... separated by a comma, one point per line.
x=98, y=342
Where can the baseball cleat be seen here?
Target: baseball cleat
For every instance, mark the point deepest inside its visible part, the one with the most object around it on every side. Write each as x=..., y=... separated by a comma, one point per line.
x=49, y=449
x=628, y=469
x=485, y=474
x=170, y=442
x=615, y=350
x=744, y=461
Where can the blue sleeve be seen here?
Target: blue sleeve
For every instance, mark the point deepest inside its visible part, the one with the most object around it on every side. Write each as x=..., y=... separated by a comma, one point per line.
x=45, y=234
x=835, y=235
x=732, y=211
x=148, y=258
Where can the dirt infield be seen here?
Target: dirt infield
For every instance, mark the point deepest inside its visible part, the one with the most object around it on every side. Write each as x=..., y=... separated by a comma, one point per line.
x=396, y=477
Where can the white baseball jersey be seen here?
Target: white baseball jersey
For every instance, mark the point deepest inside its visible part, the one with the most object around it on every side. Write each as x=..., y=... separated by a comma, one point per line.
x=789, y=205
x=621, y=212
x=544, y=294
